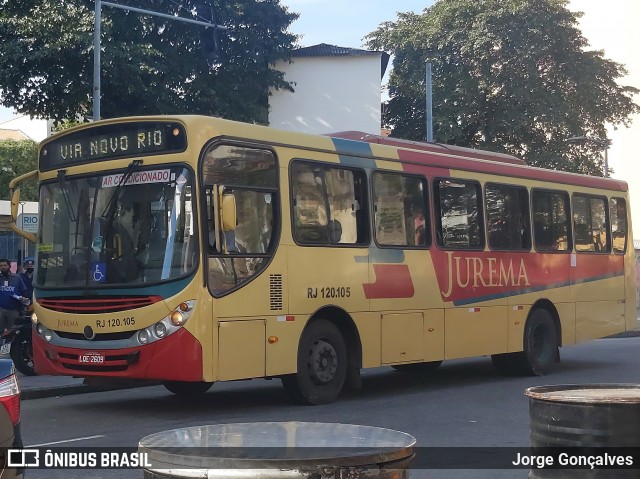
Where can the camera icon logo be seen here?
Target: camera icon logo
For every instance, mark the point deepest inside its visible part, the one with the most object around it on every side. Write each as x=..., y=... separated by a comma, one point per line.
x=23, y=458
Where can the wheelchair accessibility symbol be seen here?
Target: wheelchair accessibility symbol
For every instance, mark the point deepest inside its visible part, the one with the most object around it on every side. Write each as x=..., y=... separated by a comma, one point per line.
x=99, y=272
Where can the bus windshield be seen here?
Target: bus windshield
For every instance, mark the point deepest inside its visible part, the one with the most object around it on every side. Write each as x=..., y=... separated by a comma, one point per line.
x=123, y=228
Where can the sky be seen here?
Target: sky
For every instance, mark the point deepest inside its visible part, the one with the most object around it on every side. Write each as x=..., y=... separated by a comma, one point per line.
x=345, y=22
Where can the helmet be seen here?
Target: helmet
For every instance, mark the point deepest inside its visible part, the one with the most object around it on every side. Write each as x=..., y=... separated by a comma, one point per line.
x=29, y=262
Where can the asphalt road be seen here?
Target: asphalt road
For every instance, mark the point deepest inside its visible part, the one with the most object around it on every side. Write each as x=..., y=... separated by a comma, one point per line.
x=464, y=403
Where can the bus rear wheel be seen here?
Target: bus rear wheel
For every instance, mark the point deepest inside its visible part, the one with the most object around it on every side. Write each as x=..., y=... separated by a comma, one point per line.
x=540, y=351
x=418, y=368
x=186, y=388
x=322, y=365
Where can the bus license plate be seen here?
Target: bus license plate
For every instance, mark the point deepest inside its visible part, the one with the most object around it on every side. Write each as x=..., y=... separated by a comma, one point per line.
x=91, y=358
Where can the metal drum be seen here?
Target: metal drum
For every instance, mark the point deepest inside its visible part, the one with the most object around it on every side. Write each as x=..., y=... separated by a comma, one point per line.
x=278, y=450
x=586, y=416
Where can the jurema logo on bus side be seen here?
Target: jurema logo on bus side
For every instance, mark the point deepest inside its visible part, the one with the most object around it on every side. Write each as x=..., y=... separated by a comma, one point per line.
x=481, y=273
x=466, y=277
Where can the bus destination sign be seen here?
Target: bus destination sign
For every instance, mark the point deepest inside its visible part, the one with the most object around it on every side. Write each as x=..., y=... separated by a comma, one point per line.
x=108, y=142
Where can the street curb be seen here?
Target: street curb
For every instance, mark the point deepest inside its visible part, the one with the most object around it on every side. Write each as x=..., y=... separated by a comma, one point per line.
x=45, y=392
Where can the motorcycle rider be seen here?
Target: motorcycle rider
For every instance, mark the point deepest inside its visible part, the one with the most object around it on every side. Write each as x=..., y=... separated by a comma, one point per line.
x=12, y=295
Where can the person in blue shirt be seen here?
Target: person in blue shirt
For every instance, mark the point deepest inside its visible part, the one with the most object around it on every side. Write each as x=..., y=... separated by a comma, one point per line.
x=27, y=276
x=12, y=295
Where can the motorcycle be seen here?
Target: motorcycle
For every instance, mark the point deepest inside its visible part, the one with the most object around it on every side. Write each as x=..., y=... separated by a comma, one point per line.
x=17, y=342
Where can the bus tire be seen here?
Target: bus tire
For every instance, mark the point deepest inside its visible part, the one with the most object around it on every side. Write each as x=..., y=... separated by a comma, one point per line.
x=418, y=368
x=187, y=388
x=540, y=344
x=540, y=352
x=322, y=365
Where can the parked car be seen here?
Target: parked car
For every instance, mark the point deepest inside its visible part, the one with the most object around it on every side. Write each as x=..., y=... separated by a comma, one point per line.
x=9, y=416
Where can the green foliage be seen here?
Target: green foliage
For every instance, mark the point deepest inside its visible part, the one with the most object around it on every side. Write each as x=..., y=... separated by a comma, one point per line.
x=18, y=158
x=150, y=65
x=62, y=125
x=508, y=75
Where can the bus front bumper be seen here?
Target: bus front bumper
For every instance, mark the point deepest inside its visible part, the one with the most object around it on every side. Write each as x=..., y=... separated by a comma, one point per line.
x=177, y=357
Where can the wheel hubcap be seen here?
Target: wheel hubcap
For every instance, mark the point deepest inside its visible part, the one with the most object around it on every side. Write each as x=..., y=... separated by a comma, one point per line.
x=323, y=362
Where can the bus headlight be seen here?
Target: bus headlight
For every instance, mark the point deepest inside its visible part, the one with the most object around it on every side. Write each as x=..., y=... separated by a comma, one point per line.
x=168, y=325
x=40, y=329
x=160, y=329
x=177, y=319
x=143, y=336
x=48, y=335
x=34, y=318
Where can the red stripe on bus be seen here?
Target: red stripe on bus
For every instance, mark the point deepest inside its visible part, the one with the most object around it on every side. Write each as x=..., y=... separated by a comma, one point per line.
x=392, y=281
x=429, y=160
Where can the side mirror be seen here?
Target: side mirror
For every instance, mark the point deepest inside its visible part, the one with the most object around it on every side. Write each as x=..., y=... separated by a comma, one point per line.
x=15, y=202
x=228, y=212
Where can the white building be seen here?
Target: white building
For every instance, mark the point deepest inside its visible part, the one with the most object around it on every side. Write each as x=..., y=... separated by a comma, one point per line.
x=336, y=89
x=34, y=129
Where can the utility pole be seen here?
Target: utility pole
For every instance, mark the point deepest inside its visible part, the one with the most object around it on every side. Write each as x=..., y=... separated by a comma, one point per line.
x=429, y=105
x=97, y=22
x=603, y=143
x=96, y=41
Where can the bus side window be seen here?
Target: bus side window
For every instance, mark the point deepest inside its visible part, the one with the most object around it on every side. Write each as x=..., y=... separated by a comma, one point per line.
x=552, y=229
x=400, y=209
x=328, y=204
x=590, y=224
x=618, y=219
x=459, y=218
x=507, y=217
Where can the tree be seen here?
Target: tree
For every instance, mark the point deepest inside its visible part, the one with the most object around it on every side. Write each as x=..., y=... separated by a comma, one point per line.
x=18, y=158
x=514, y=76
x=150, y=65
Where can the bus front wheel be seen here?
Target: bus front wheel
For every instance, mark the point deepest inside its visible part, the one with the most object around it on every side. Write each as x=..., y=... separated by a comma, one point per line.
x=186, y=388
x=322, y=365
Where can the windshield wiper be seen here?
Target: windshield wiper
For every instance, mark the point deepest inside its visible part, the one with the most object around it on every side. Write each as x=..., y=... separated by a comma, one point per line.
x=112, y=201
x=110, y=209
x=62, y=181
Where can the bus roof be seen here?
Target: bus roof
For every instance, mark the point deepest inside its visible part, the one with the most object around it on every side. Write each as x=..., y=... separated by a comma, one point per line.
x=431, y=147
x=457, y=157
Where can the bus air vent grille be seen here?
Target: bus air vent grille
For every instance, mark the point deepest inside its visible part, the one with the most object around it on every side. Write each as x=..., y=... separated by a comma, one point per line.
x=275, y=290
x=98, y=304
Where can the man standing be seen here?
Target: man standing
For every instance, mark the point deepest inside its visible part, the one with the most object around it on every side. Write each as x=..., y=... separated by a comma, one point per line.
x=12, y=297
x=27, y=277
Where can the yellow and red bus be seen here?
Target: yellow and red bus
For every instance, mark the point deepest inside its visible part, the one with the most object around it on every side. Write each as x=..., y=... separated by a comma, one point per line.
x=192, y=250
